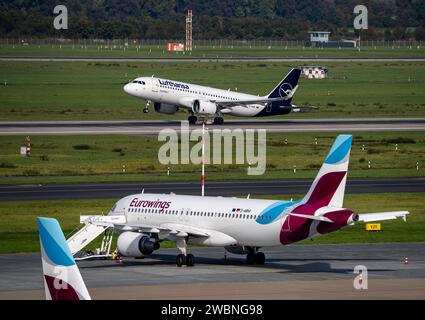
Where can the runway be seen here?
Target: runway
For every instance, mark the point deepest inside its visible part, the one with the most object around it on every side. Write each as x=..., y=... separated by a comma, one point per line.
x=293, y=272
x=212, y=188
x=155, y=126
x=200, y=59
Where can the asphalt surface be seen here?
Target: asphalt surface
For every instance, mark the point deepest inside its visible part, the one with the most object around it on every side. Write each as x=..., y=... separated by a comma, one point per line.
x=154, y=127
x=303, y=272
x=212, y=188
x=221, y=59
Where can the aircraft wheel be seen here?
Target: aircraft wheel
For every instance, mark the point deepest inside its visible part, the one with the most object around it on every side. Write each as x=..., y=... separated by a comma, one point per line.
x=250, y=258
x=145, y=110
x=218, y=120
x=180, y=260
x=259, y=258
x=192, y=119
x=190, y=260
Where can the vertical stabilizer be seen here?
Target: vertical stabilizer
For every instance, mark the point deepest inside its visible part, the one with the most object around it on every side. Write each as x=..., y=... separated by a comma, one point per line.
x=62, y=279
x=328, y=187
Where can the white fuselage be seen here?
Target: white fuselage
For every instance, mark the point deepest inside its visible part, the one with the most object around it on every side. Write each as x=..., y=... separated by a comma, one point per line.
x=245, y=220
x=183, y=94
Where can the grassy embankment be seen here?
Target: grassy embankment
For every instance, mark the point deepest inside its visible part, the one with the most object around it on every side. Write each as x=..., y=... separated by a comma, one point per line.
x=101, y=158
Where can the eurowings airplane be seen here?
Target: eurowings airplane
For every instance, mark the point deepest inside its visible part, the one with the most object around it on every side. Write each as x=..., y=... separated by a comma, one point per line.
x=241, y=226
x=62, y=279
x=169, y=96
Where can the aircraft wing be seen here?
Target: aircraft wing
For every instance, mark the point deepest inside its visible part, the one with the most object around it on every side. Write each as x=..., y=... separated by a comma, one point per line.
x=120, y=222
x=244, y=103
x=380, y=216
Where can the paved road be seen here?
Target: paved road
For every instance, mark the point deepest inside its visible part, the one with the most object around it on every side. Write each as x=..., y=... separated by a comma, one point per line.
x=222, y=59
x=153, y=127
x=213, y=188
x=293, y=272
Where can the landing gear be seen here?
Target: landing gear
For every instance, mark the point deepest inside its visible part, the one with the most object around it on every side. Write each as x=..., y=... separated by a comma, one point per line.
x=184, y=259
x=250, y=258
x=192, y=119
x=259, y=258
x=146, y=108
x=190, y=260
x=180, y=260
x=255, y=258
x=218, y=120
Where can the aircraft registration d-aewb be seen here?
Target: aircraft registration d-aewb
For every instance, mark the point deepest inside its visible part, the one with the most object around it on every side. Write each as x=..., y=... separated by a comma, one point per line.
x=241, y=226
x=169, y=96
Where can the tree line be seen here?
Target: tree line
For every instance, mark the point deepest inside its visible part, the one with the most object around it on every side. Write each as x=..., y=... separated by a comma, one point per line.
x=213, y=19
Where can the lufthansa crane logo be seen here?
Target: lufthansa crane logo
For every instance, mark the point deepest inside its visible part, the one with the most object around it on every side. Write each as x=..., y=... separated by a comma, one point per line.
x=285, y=90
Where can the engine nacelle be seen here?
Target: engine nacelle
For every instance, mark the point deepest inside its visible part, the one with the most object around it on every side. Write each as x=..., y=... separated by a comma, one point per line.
x=204, y=107
x=165, y=108
x=134, y=244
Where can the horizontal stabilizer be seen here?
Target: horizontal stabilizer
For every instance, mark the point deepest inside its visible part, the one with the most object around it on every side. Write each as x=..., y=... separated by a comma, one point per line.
x=381, y=216
x=318, y=218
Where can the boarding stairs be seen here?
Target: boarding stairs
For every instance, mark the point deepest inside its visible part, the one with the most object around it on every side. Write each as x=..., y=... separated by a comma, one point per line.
x=93, y=227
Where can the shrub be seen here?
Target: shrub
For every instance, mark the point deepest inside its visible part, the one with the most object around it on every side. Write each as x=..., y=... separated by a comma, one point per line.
x=399, y=140
x=81, y=147
x=7, y=165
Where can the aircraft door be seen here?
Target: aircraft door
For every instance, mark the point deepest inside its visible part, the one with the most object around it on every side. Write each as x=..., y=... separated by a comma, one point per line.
x=155, y=85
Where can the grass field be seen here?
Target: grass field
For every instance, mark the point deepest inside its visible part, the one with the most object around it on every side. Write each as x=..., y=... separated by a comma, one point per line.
x=101, y=158
x=93, y=90
x=159, y=51
x=18, y=232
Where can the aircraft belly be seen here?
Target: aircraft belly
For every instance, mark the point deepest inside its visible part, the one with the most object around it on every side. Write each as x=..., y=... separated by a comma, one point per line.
x=246, y=111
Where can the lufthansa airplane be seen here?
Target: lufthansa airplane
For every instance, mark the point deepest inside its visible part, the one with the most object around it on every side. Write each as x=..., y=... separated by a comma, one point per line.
x=169, y=96
x=241, y=226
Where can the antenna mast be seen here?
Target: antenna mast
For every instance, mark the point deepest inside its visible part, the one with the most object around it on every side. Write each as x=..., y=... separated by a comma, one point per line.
x=188, y=46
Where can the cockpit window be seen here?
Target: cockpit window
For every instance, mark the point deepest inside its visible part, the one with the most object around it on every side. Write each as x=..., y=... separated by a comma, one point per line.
x=113, y=208
x=139, y=82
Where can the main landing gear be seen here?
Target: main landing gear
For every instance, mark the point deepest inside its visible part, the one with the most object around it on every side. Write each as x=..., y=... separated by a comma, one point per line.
x=217, y=120
x=184, y=259
x=192, y=119
x=255, y=258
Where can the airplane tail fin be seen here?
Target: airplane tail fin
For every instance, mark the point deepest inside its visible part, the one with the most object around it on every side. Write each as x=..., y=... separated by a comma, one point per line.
x=62, y=279
x=328, y=187
x=287, y=87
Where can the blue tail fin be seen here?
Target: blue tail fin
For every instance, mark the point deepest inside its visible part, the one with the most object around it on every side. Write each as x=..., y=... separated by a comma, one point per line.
x=62, y=279
x=285, y=87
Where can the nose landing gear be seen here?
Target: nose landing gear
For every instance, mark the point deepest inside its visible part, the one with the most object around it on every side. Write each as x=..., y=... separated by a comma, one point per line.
x=146, y=108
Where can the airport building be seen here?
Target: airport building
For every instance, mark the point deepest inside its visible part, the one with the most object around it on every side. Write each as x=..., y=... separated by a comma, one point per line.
x=320, y=39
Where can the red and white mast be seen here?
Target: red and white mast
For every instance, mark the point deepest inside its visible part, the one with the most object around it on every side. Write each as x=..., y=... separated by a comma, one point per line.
x=203, y=159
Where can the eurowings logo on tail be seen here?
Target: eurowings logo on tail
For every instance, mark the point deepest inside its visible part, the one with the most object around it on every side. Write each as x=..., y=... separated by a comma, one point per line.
x=62, y=279
x=326, y=193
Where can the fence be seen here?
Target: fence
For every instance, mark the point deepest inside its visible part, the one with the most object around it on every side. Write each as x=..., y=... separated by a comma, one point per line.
x=211, y=42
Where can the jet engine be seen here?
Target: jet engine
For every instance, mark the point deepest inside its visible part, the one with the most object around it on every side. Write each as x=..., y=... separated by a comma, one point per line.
x=165, y=108
x=134, y=244
x=204, y=107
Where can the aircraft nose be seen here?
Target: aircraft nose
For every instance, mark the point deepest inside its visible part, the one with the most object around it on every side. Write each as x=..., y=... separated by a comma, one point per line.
x=127, y=88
